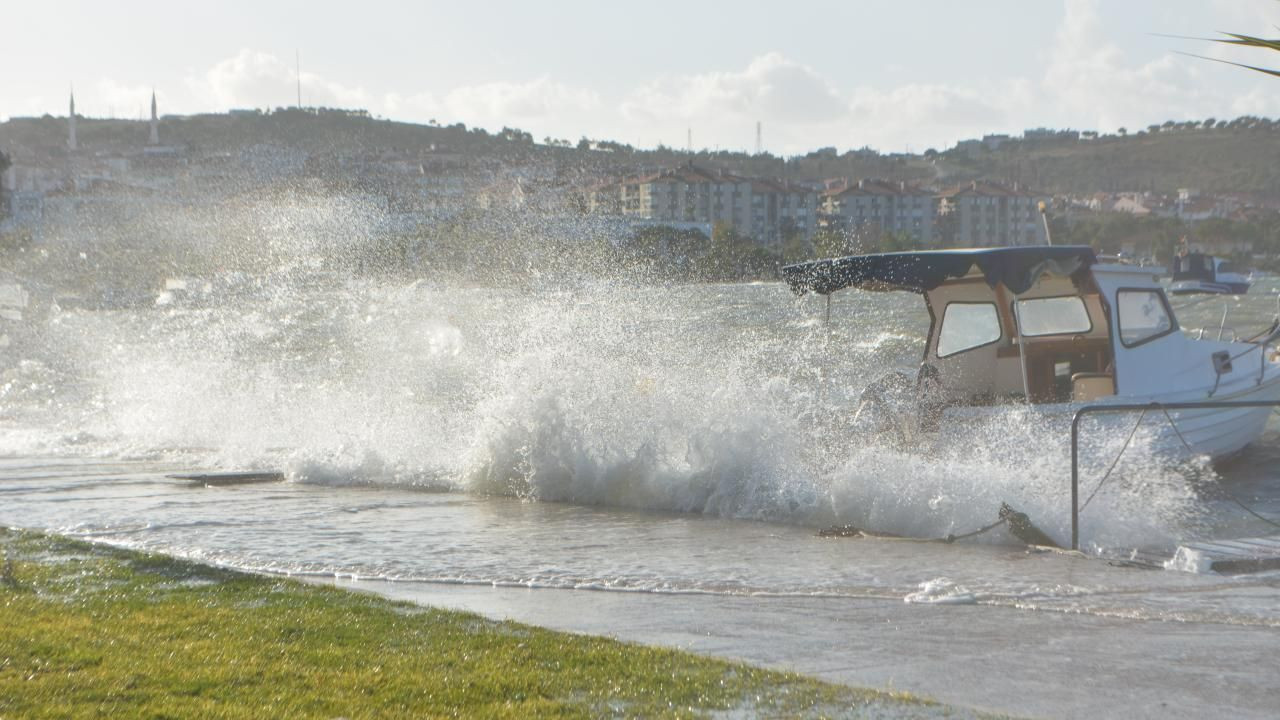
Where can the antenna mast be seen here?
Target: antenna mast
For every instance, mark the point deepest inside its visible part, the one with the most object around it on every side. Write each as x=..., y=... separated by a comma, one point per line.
x=759, y=139
x=297, y=60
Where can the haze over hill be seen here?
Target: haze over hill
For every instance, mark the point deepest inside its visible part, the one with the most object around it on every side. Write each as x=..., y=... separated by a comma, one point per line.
x=105, y=206
x=1240, y=155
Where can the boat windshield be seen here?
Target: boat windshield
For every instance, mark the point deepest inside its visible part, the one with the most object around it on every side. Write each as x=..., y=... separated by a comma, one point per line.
x=1144, y=316
x=1052, y=316
x=966, y=326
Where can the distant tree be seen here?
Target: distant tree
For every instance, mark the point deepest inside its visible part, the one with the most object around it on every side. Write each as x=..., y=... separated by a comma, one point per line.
x=1122, y=132
x=897, y=242
x=795, y=246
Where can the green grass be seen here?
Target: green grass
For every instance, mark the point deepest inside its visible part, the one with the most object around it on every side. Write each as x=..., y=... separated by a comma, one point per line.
x=91, y=631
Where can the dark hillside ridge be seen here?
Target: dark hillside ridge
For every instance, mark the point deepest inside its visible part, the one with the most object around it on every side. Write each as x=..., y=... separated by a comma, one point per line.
x=1237, y=156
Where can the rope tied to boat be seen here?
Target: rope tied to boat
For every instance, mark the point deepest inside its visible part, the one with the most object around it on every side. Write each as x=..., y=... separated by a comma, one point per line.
x=1187, y=446
x=1107, y=474
x=963, y=536
x=1020, y=526
x=1225, y=491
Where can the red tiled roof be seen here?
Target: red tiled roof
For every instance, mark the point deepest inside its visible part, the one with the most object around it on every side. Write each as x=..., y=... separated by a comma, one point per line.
x=876, y=186
x=986, y=188
x=693, y=175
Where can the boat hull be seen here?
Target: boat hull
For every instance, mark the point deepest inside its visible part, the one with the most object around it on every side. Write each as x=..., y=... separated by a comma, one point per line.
x=1217, y=432
x=1201, y=287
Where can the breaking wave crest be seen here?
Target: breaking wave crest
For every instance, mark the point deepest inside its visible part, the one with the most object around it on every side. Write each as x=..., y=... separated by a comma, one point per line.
x=723, y=400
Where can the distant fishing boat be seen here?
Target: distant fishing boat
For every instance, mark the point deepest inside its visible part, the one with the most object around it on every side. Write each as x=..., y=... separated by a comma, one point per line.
x=1202, y=273
x=1052, y=327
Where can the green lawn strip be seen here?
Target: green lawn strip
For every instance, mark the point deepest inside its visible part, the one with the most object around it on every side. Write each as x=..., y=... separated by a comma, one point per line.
x=93, y=631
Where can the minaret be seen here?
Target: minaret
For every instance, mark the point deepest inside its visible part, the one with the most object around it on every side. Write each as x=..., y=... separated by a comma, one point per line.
x=155, y=122
x=71, y=123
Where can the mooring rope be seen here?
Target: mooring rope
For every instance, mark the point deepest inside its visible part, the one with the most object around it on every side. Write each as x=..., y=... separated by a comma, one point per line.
x=1225, y=491
x=1186, y=445
x=952, y=538
x=1115, y=462
x=854, y=531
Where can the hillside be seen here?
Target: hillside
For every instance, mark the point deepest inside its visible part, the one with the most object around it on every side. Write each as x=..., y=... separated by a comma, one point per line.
x=1242, y=156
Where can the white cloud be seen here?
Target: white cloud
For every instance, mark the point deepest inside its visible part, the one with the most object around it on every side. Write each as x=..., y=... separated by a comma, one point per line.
x=801, y=109
x=258, y=79
x=772, y=87
x=936, y=115
x=502, y=103
x=1085, y=80
x=419, y=106
x=129, y=101
x=1093, y=83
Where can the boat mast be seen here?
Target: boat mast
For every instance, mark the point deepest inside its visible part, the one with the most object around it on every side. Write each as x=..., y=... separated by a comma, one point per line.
x=1044, y=218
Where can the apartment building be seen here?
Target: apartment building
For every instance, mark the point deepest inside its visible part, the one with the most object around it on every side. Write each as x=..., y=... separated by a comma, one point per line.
x=988, y=214
x=767, y=211
x=882, y=207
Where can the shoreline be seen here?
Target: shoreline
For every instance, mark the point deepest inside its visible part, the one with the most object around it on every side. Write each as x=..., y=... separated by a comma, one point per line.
x=990, y=659
x=92, y=629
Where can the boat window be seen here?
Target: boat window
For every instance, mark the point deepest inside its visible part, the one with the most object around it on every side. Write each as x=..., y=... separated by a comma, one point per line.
x=1144, y=315
x=966, y=326
x=1052, y=316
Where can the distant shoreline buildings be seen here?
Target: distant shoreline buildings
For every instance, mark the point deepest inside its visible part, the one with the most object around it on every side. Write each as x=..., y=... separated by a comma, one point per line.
x=767, y=211
x=428, y=173
x=973, y=214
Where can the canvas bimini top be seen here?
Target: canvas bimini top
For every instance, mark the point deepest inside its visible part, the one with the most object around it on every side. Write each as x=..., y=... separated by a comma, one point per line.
x=1017, y=268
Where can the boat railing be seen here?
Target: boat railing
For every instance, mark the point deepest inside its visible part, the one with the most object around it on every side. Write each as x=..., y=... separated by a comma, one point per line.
x=1229, y=332
x=1162, y=408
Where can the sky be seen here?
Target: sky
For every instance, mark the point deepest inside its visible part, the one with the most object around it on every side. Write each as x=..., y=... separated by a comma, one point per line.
x=895, y=75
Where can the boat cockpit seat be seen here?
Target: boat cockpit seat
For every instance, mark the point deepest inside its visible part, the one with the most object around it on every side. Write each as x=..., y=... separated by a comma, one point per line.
x=1087, y=386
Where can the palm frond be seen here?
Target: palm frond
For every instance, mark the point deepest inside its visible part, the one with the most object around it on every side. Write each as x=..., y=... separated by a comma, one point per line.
x=1268, y=71
x=1248, y=41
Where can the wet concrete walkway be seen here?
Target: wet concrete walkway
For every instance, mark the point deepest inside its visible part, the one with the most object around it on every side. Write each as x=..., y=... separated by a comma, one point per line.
x=1038, y=664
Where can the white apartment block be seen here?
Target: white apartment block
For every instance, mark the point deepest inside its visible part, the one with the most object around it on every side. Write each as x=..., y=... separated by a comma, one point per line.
x=882, y=207
x=988, y=214
x=765, y=210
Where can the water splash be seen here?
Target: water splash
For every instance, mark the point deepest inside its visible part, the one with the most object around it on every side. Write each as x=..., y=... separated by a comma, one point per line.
x=597, y=387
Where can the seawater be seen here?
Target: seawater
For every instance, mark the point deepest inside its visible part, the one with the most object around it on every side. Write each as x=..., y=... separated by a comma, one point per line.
x=594, y=434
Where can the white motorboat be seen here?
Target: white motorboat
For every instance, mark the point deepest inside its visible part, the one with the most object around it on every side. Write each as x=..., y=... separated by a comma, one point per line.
x=1051, y=327
x=1200, y=273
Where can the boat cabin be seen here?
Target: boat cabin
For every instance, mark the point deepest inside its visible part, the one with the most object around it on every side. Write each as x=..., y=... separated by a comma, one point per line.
x=1201, y=273
x=1036, y=324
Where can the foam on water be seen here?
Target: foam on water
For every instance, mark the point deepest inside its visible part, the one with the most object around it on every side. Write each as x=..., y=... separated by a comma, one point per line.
x=726, y=400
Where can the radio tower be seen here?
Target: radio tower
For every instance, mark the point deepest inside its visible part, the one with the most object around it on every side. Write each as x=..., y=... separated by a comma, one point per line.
x=759, y=140
x=155, y=122
x=71, y=122
x=297, y=63
x=689, y=142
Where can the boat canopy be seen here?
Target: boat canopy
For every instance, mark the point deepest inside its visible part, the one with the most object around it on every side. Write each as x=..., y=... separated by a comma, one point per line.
x=1017, y=268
